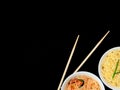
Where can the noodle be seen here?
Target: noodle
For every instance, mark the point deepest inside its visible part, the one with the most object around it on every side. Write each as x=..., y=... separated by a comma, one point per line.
x=108, y=66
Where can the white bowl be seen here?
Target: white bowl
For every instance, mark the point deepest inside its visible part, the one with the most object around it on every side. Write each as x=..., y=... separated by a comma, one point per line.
x=93, y=76
x=99, y=69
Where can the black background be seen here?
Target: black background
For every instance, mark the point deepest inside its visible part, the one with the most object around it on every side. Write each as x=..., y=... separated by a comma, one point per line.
x=50, y=37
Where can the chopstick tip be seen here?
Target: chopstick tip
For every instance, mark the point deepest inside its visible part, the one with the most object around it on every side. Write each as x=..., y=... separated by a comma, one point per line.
x=108, y=30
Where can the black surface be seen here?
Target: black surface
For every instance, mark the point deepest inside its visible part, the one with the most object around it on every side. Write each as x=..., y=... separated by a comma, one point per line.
x=47, y=49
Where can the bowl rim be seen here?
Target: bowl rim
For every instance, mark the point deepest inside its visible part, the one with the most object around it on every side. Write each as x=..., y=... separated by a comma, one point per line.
x=83, y=73
x=99, y=69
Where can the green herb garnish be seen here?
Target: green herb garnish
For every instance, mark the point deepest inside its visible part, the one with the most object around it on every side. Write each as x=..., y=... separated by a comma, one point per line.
x=82, y=81
x=117, y=72
x=116, y=69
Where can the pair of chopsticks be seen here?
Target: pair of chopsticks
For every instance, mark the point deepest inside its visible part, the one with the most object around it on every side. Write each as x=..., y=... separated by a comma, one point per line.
x=70, y=57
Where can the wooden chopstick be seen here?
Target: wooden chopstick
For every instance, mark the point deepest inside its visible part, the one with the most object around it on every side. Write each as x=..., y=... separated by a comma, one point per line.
x=70, y=57
x=91, y=52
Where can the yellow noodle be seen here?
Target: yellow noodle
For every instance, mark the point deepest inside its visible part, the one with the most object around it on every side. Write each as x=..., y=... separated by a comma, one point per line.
x=108, y=67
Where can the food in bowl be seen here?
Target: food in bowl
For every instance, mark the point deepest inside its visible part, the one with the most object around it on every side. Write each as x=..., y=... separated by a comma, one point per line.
x=109, y=68
x=82, y=81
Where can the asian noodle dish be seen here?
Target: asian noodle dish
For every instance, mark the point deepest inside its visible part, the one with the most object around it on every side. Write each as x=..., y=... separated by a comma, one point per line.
x=110, y=68
x=82, y=82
